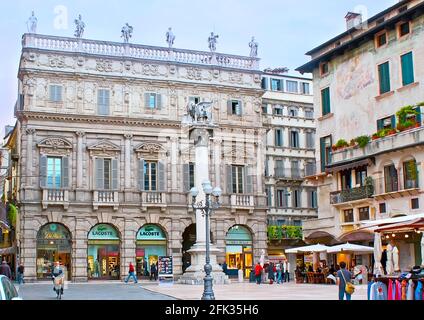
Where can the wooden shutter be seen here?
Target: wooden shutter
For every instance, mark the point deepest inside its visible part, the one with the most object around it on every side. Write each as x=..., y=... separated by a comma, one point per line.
x=384, y=75
x=325, y=100
x=159, y=101
x=248, y=178
x=229, y=179
x=240, y=103
x=230, y=107
x=43, y=171
x=393, y=121
x=380, y=124
x=114, y=174
x=186, y=177
x=141, y=174
x=322, y=151
x=309, y=196
x=407, y=69
x=99, y=173
x=65, y=172
x=418, y=116
x=161, y=176
x=278, y=198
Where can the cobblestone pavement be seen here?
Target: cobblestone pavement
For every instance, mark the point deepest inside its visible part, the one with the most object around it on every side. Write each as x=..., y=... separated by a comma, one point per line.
x=90, y=291
x=146, y=290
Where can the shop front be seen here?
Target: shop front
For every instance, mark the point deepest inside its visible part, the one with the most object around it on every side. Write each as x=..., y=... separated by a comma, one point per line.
x=54, y=243
x=103, y=259
x=151, y=244
x=239, y=251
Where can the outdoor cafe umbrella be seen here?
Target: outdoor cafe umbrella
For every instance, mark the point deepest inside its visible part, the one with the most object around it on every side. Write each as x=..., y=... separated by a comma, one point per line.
x=350, y=248
x=312, y=248
x=378, y=268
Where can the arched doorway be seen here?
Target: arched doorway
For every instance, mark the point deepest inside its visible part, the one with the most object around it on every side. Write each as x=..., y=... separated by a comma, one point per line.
x=151, y=244
x=189, y=239
x=54, y=243
x=239, y=251
x=103, y=258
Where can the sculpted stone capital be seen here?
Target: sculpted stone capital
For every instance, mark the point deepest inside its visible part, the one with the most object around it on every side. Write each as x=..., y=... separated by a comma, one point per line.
x=80, y=134
x=128, y=136
x=30, y=131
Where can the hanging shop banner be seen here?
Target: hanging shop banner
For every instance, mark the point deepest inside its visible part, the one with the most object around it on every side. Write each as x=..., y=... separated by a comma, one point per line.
x=103, y=232
x=165, y=267
x=151, y=232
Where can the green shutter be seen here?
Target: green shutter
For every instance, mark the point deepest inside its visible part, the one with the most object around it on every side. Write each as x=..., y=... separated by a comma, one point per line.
x=418, y=116
x=325, y=100
x=393, y=121
x=407, y=69
x=322, y=150
x=229, y=180
x=384, y=75
x=380, y=124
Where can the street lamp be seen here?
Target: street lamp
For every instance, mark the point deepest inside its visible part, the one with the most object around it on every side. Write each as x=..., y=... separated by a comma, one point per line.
x=206, y=209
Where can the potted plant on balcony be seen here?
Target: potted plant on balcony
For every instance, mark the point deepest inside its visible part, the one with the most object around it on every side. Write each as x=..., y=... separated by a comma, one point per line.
x=407, y=118
x=375, y=136
x=369, y=186
x=363, y=141
x=341, y=144
x=353, y=143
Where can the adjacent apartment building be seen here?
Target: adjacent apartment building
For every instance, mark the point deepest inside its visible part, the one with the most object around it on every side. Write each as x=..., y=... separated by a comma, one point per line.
x=288, y=115
x=369, y=93
x=107, y=164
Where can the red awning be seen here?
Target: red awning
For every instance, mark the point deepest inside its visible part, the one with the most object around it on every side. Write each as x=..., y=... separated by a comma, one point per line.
x=406, y=226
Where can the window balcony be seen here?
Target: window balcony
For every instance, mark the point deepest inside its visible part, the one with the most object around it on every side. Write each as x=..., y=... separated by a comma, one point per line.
x=154, y=199
x=289, y=174
x=55, y=197
x=106, y=199
x=284, y=232
x=350, y=195
x=242, y=202
x=395, y=187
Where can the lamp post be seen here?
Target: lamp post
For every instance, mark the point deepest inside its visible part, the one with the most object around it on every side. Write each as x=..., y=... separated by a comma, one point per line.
x=206, y=209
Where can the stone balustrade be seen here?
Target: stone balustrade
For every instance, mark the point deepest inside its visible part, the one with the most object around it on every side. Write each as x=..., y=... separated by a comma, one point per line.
x=55, y=197
x=153, y=199
x=105, y=199
x=241, y=201
x=128, y=50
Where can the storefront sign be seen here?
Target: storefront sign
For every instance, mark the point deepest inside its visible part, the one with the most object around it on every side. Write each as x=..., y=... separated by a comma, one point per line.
x=151, y=232
x=239, y=242
x=53, y=232
x=103, y=232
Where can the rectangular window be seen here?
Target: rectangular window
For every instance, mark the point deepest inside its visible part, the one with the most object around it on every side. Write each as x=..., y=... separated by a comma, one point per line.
x=268, y=196
x=278, y=110
x=150, y=175
x=282, y=198
x=404, y=29
x=325, y=101
x=410, y=174
x=407, y=69
x=276, y=85
x=310, y=140
x=107, y=174
x=361, y=175
x=324, y=68
x=325, y=146
x=305, y=88
x=295, y=171
x=281, y=222
x=278, y=137
x=294, y=139
x=382, y=207
x=313, y=199
x=265, y=109
x=381, y=39
x=293, y=112
x=152, y=101
x=296, y=194
x=191, y=174
x=236, y=107
x=292, y=86
x=54, y=173
x=364, y=213
x=237, y=179
x=415, y=204
x=391, y=181
x=195, y=100
x=346, y=179
x=279, y=169
x=310, y=169
x=384, y=77
x=387, y=123
x=265, y=83
x=297, y=223
x=103, y=102
x=348, y=216
x=309, y=113
x=55, y=93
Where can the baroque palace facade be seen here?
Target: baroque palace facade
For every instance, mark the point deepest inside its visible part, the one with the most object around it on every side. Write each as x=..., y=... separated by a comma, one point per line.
x=106, y=163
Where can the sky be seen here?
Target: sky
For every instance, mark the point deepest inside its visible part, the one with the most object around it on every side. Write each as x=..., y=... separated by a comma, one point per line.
x=284, y=29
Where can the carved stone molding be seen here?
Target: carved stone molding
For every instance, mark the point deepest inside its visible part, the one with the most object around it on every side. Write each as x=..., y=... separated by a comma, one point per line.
x=104, y=148
x=104, y=65
x=30, y=131
x=55, y=143
x=150, y=148
x=80, y=134
x=128, y=136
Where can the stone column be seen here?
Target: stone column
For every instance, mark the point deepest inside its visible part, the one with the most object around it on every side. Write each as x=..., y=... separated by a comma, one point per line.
x=127, y=174
x=80, y=135
x=174, y=164
x=29, y=160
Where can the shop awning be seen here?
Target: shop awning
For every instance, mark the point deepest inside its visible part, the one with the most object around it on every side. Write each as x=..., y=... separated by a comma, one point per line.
x=376, y=223
x=416, y=224
x=346, y=165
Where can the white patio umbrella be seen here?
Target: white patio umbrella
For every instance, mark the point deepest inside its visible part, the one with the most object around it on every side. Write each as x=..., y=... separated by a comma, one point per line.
x=378, y=269
x=311, y=248
x=351, y=248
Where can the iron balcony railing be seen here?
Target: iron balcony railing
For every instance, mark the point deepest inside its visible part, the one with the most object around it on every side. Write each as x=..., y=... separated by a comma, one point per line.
x=352, y=194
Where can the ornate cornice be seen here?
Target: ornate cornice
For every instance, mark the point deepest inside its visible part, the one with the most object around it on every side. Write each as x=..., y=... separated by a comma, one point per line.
x=149, y=147
x=104, y=145
x=55, y=143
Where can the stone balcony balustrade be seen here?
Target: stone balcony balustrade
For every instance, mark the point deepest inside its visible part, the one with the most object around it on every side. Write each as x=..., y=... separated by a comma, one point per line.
x=153, y=199
x=242, y=202
x=55, y=197
x=105, y=198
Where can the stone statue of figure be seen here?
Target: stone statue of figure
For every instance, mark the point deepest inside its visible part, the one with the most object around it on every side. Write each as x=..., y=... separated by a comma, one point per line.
x=127, y=31
x=253, y=48
x=212, y=41
x=170, y=37
x=32, y=23
x=201, y=112
x=80, y=26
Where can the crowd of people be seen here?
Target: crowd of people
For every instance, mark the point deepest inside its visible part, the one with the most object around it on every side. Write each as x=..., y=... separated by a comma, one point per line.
x=278, y=272
x=7, y=271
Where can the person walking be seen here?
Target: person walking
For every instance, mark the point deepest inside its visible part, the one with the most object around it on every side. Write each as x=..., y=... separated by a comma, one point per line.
x=258, y=273
x=343, y=276
x=286, y=271
x=279, y=267
x=153, y=273
x=5, y=270
x=131, y=274
x=271, y=275
x=20, y=276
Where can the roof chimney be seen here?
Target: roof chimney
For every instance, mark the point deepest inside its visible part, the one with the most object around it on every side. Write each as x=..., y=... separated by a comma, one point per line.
x=353, y=20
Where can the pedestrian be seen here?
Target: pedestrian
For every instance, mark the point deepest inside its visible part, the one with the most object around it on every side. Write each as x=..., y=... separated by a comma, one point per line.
x=146, y=272
x=5, y=270
x=20, y=277
x=153, y=273
x=343, y=276
x=131, y=273
x=286, y=271
x=224, y=268
x=279, y=267
x=271, y=276
x=258, y=273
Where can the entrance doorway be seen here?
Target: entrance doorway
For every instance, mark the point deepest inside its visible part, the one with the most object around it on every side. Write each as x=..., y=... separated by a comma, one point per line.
x=189, y=239
x=239, y=251
x=54, y=243
x=103, y=258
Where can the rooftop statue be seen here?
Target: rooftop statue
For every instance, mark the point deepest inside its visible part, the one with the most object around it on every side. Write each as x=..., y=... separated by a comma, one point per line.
x=32, y=23
x=127, y=31
x=80, y=26
x=170, y=37
x=253, y=48
x=212, y=41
